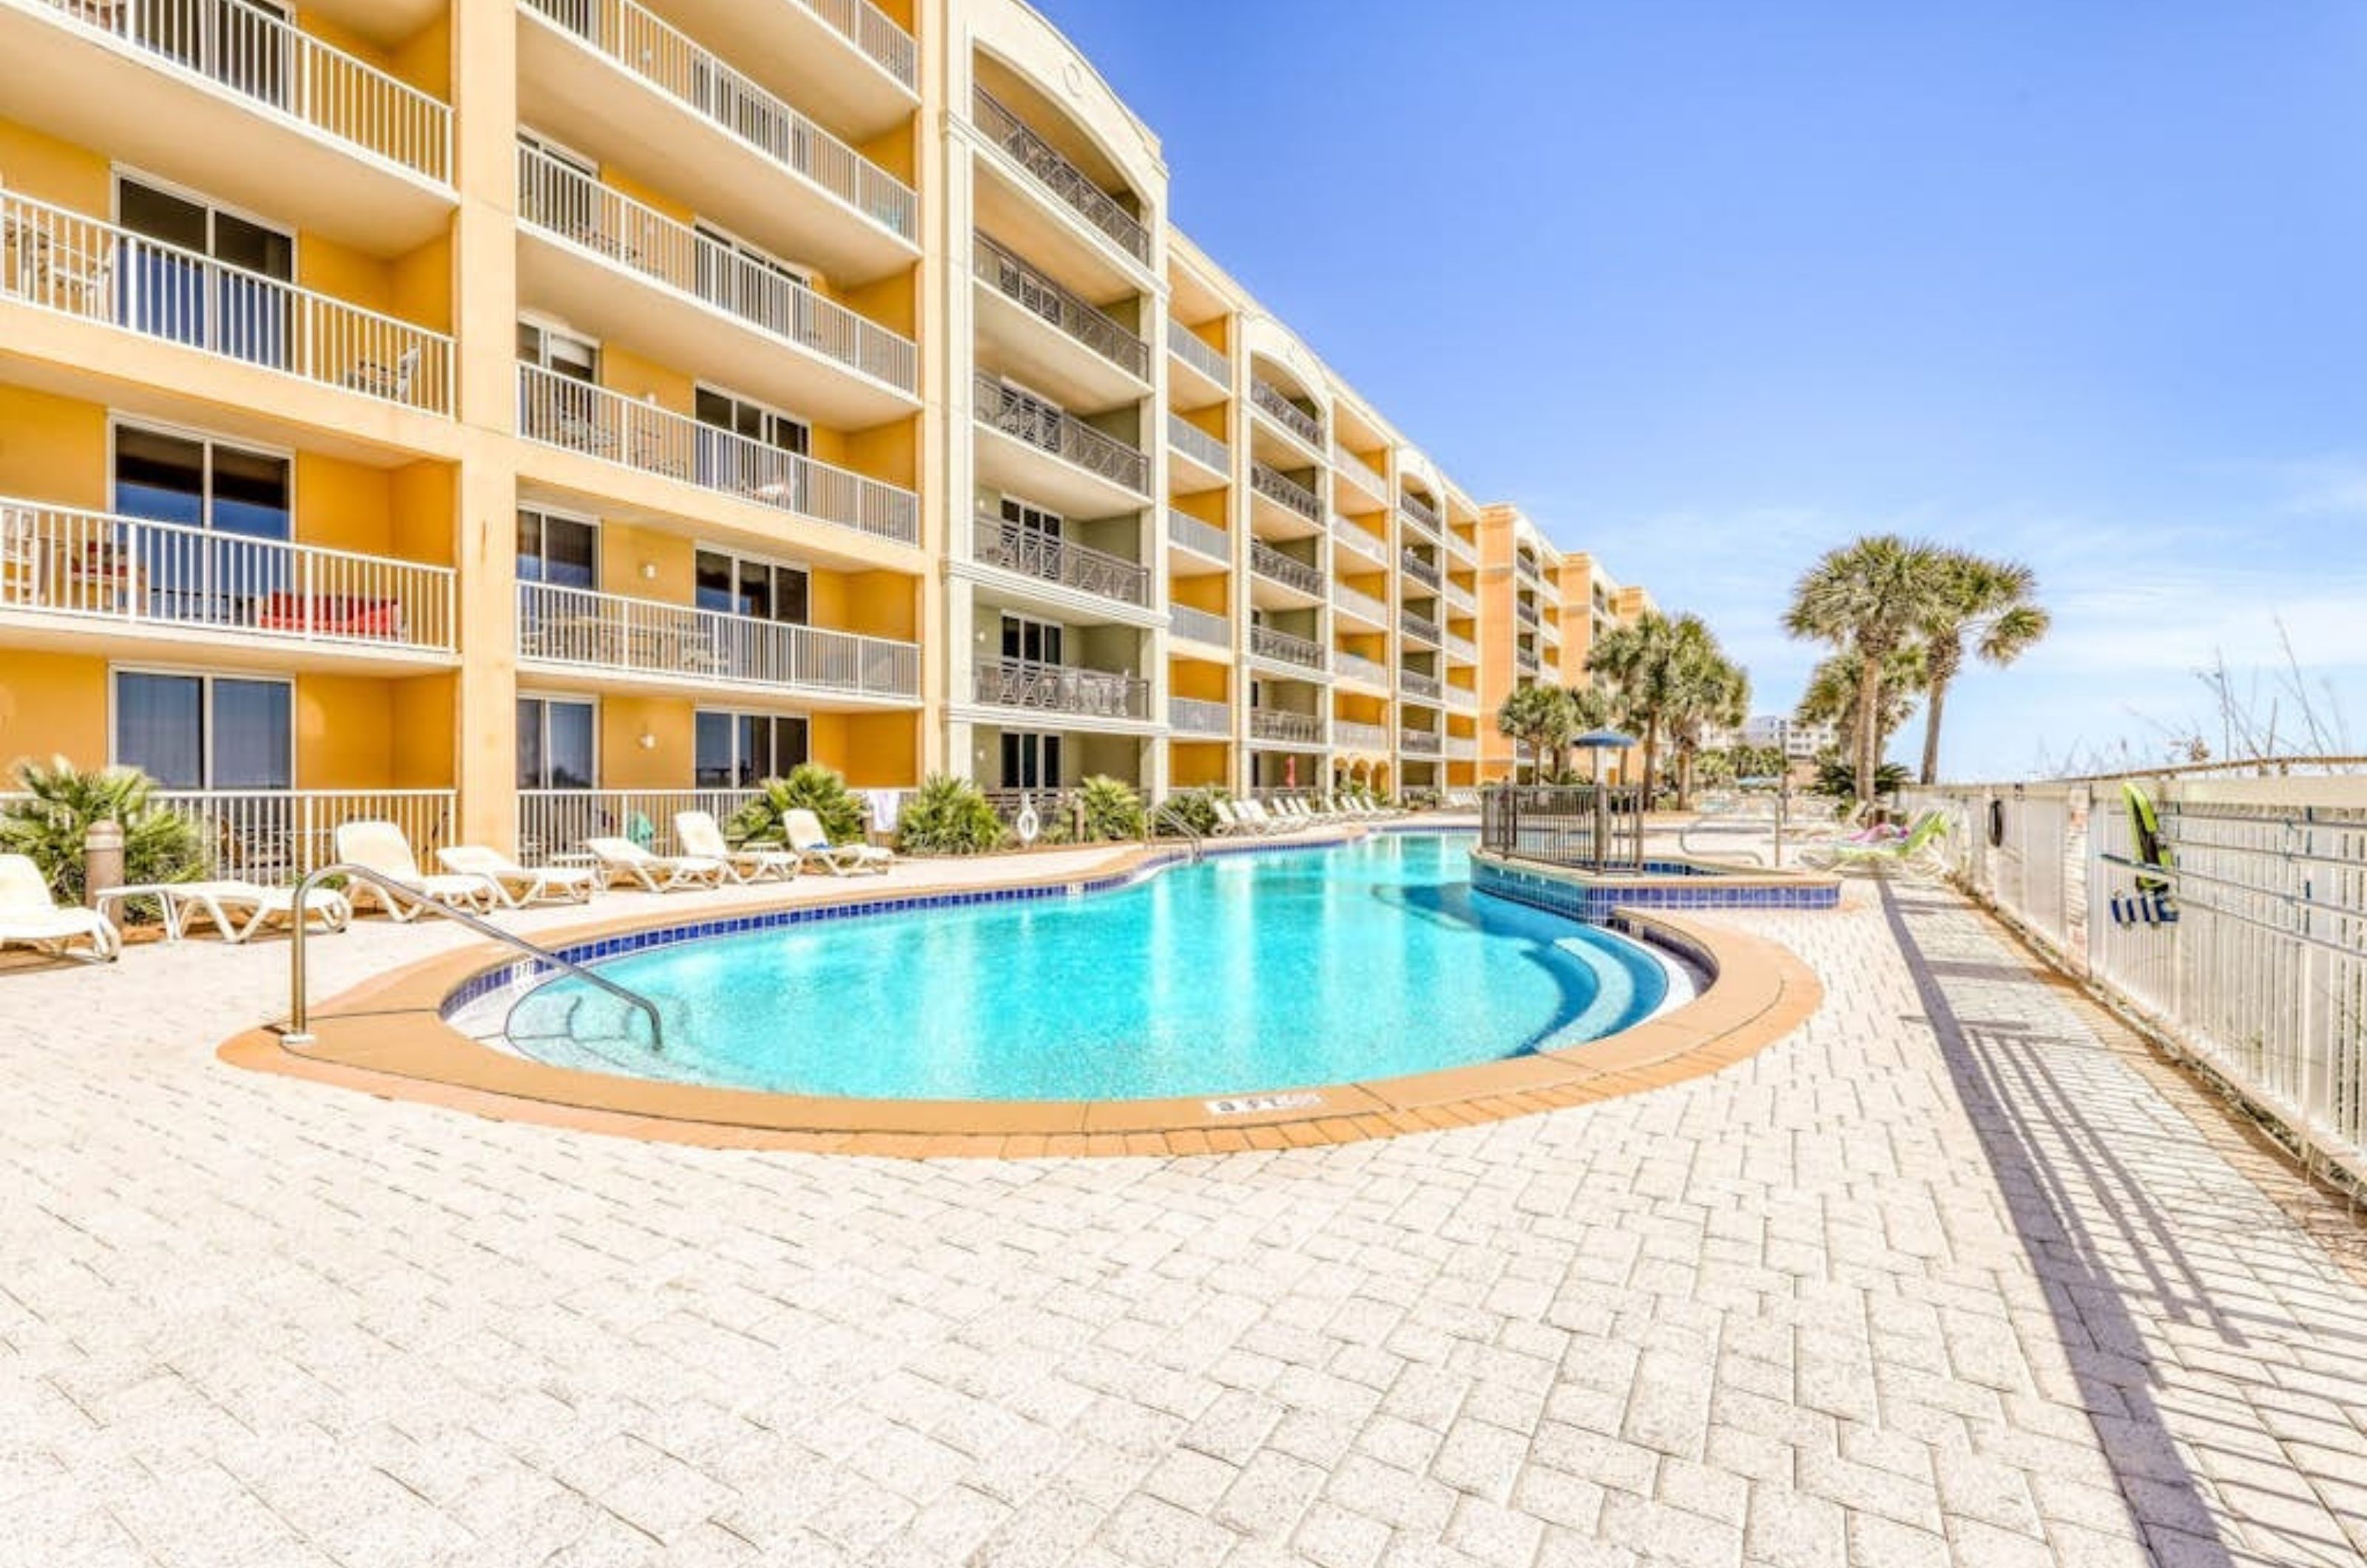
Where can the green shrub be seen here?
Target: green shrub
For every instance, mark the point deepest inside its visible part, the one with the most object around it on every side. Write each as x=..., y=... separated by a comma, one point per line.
x=811, y=788
x=947, y=815
x=159, y=845
x=1195, y=808
x=1109, y=808
x=1839, y=779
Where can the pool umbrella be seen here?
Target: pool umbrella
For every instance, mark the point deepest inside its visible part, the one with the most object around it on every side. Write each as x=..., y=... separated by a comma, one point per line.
x=1599, y=741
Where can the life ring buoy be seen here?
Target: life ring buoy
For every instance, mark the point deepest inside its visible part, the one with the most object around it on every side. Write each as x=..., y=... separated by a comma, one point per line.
x=2144, y=829
x=1996, y=824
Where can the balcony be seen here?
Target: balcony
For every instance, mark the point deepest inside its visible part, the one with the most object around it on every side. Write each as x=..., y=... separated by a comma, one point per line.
x=709, y=298
x=1422, y=514
x=60, y=260
x=1465, y=698
x=1190, y=715
x=1421, y=568
x=1355, y=667
x=1350, y=736
x=1062, y=688
x=1527, y=659
x=1420, y=742
x=1285, y=727
x=1063, y=180
x=1460, y=597
x=1462, y=747
x=1047, y=558
x=1369, y=545
x=1195, y=444
x=1201, y=539
x=1199, y=626
x=1461, y=548
x=1275, y=404
x=573, y=416
x=574, y=629
x=1363, y=607
x=1193, y=350
x=1462, y=647
x=232, y=100
x=1040, y=298
x=1526, y=564
x=1415, y=683
x=1361, y=474
x=1289, y=570
x=127, y=582
x=1421, y=628
x=1527, y=613
x=1286, y=647
x=1105, y=474
x=611, y=76
x=1280, y=488
x=848, y=61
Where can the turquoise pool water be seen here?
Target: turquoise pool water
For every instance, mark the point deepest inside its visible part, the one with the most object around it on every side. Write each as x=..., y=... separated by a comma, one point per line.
x=1242, y=973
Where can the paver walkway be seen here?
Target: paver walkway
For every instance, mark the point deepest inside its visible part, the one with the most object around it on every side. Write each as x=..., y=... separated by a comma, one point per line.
x=1947, y=1277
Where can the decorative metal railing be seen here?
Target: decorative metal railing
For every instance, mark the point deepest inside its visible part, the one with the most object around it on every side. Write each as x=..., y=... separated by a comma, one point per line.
x=1281, y=724
x=258, y=55
x=1561, y=824
x=1208, y=539
x=1275, y=404
x=63, y=260
x=1200, y=626
x=1062, y=688
x=1051, y=169
x=560, y=199
x=128, y=572
x=1420, y=511
x=1276, y=486
x=1022, y=416
x=1014, y=546
x=1415, y=683
x=1198, y=444
x=1419, y=627
x=1420, y=742
x=1193, y=350
x=1286, y=648
x=1421, y=568
x=557, y=821
x=1288, y=569
x=1036, y=292
x=1192, y=715
x=575, y=416
x=608, y=631
x=638, y=43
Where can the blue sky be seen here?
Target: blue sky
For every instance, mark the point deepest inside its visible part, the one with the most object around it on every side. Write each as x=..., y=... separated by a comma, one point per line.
x=1709, y=287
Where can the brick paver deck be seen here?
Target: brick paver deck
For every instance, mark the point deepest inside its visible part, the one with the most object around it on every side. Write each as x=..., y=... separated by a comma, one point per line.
x=1953, y=1275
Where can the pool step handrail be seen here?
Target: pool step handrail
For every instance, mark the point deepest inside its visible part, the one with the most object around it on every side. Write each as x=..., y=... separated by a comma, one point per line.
x=1172, y=815
x=298, y=1029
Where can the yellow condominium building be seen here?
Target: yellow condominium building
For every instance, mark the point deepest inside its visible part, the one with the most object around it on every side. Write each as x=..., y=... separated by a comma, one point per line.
x=521, y=418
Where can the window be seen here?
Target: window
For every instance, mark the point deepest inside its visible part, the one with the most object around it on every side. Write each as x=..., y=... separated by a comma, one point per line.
x=555, y=743
x=171, y=293
x=1034, y=641
x=563, y=408
x=1030, y=761
x=561, y=353
x=227, y=493
x=563, y=551
x=737, y=751
x=765, y=589
x=206, y=732
x=762, y=462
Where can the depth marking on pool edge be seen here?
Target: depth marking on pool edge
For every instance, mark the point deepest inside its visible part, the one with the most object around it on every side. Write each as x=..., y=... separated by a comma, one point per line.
x=1248, y=1104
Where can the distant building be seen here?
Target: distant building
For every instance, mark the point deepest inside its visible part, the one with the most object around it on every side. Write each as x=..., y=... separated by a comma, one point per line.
x=1801, y=742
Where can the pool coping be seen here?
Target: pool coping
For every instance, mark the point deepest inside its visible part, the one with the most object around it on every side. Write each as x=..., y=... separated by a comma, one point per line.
x=389, y=1037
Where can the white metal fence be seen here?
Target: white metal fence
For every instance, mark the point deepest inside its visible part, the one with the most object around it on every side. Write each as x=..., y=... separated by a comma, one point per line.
x=609, y=631
x=274, y=836
x=874, y=32
x=2252, y=953
x=557, y=821
x=64, y=260
x=258, y=54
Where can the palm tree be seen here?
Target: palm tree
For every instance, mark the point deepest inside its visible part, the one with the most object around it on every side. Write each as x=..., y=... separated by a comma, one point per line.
x=1987, y=603
x=1869, y=600
x=1538, y=715
x=1831, y=697
x=1657, y=671
x=1707, y=691
x=1590, y=708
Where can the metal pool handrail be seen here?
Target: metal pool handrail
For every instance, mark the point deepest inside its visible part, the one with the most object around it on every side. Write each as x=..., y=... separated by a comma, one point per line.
x=299, y=1031
x=1170, y=814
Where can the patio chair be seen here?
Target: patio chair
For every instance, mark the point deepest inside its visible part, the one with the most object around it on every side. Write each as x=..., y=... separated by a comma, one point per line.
x=30, y=917
x=380, y=847
x=1916, y=852
x=239, y=908
x=1231, y=824
x=806, y=838
x=518, y=886
x=622, y=858
x=381, y=379
x=701, y=836
x=1253, y=811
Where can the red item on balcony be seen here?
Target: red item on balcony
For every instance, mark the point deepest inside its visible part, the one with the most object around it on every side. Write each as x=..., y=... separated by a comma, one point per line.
x=331, y=614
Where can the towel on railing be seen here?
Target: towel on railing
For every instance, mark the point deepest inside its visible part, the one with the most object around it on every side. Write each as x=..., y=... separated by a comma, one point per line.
x=887, y=805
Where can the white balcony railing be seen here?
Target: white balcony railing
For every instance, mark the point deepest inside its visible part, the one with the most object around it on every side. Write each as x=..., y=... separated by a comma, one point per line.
x=1204, y=538
x=1193, y=350
x=1286, y=647
x=1274, y=403
x=638, y=43
x=1420, y=742
x=1462, y=747
x=1282, y=724
x=1200, y=626
x=62, y=260
x=873, y=31
x=256, y=55
x=1062, y=688
x=1362, y=603
x=557, y=821
x=1361, y=474
x=128, y=571
x=1198, y=444
x=1049, y=558
x=1192, y=716
x=1348, y=735
x=1462, y=647
x=1369, y=545
x=556, y=411
x=1356, y=667
x=1072, y=186
x=561, y=199
x=1277, y=566
x=1460, y=597
x=275, y=836
x=575, y=626
x=1025, y=417
x=1276, y=486
x=1416, y=685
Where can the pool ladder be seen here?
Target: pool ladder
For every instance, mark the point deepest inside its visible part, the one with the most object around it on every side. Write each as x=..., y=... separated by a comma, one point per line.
x=298, y=1032
x=1168, y=816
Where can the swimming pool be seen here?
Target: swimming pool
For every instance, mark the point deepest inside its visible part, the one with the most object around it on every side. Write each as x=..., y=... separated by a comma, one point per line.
x=1239, y=974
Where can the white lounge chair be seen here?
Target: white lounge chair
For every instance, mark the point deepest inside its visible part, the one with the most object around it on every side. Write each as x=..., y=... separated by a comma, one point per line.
x=702, y=837
x=30, y=917
x=1254, y=813
x=239, y=909
x=658, y=874
x=806, y=839
x=380, y=847
x=518, y=886
x=1230, y=823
